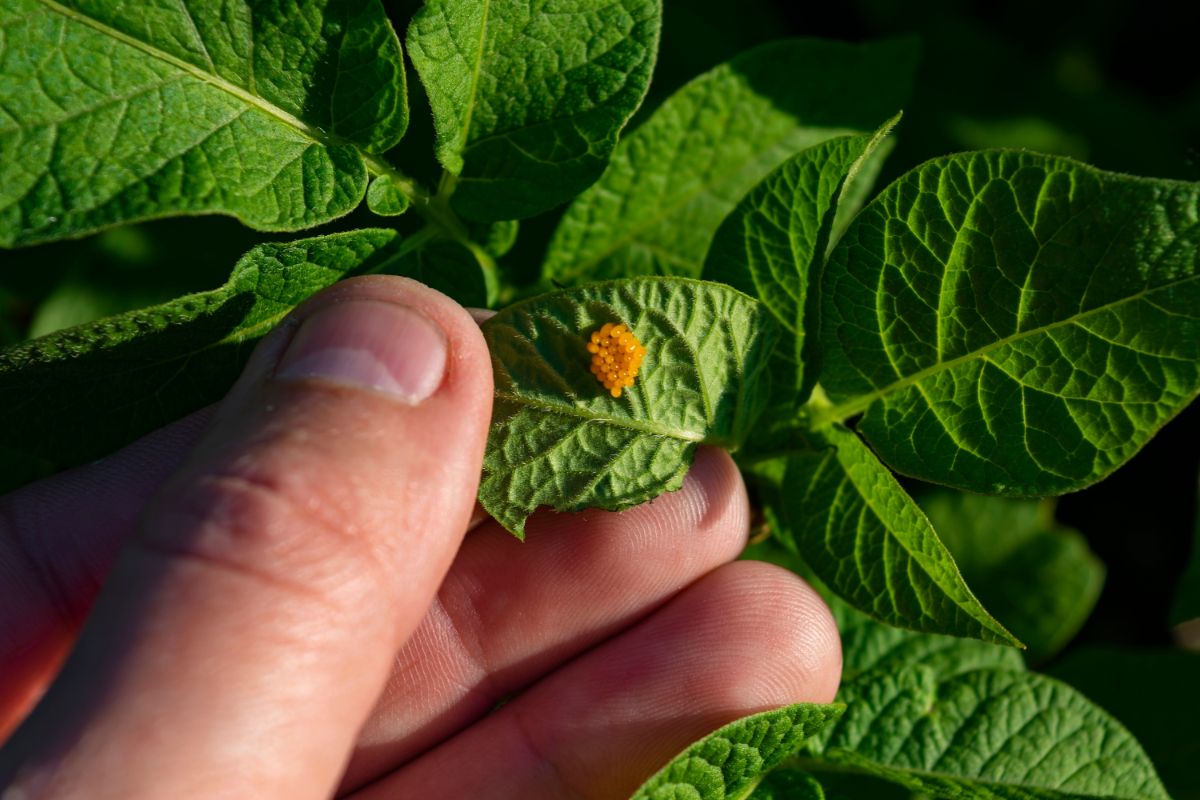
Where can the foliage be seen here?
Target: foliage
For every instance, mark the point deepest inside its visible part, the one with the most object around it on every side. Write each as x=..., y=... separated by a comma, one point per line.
x=731, y=761
x=997, y=321
x=559, y=439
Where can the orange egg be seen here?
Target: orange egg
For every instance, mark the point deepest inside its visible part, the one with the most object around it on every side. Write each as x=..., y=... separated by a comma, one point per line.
x=616, y=356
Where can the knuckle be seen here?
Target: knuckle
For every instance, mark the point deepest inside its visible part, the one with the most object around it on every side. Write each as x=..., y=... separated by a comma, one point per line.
x=281, y=529
x=459, y=599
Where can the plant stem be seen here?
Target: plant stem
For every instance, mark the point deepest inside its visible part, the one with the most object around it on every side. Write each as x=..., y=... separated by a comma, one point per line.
x=439, y=216
x=433, y=208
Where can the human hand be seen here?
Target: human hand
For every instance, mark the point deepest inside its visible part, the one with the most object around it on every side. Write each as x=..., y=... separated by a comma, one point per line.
x=295, y=612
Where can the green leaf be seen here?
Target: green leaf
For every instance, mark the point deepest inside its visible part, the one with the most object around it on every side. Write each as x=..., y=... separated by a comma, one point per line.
x=1153, y=692
x=115, y=111
x=868, y=541
x=1040, y=579
x=787, y=784
x=1013, y=323
x=674, y=179
x=386, y=198
x=1187, y=596
x=449, y=267
x=560, y=439
x=986, y=734
x=730, y=761
x=80, y=393
x=869, y=645
x=859, y=186
x=496, y=238
x=772, y=246
x=528, y=99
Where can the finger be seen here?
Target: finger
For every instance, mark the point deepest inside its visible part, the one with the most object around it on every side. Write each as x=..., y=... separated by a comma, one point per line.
x=255, y=613
x=59, y=535
x=58, y=538
x=509, y=612
x=746, y=638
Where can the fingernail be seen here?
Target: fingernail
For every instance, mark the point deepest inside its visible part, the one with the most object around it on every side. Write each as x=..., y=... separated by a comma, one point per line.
x=380, y=346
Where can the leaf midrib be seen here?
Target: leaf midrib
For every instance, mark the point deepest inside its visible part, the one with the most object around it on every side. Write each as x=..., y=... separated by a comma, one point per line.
x=584, y=414
x=988, y=622
x=855, y=405
x=313, y=133
x=475, y=73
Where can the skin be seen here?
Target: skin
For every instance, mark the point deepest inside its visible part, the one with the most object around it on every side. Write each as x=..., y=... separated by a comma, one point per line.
x=293, y=595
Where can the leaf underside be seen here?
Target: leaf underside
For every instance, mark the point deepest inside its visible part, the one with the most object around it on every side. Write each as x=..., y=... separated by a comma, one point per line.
x=730, y=761
x=560, y=439
x=862, y=535
x=118, y=112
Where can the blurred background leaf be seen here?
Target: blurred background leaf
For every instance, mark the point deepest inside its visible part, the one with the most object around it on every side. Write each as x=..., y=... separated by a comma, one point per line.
x=1037, y=578
x=1156, y=694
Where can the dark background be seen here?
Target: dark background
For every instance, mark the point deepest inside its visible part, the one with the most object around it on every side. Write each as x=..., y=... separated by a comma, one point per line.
x=1116, y=84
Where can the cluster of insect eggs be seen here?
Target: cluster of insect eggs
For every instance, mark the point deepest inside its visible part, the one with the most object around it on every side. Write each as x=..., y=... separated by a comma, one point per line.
x=616, y=357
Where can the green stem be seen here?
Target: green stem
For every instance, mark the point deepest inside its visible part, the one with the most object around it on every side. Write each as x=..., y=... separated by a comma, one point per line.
x=434, y=208
x=829, y=414
x=377, y=166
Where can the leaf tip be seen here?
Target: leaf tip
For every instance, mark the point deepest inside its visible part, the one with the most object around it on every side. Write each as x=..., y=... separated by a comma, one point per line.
x=1004, y=637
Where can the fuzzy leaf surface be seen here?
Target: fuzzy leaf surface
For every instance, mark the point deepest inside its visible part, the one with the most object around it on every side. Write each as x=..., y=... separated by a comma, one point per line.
x=1037, y=577
x=528, y=97
x=116, y=111
x=82, y=392
x=731, y=761
x=772, y=247
x=868, y=541
x=1012, y=323
x=986, y=734
x=558, y=437
x=675, y=178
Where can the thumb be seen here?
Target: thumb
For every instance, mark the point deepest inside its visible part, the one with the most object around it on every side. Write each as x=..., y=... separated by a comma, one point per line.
x=247, y=629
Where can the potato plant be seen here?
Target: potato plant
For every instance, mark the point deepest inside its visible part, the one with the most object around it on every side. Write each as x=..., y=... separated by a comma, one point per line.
x=1007, y=325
